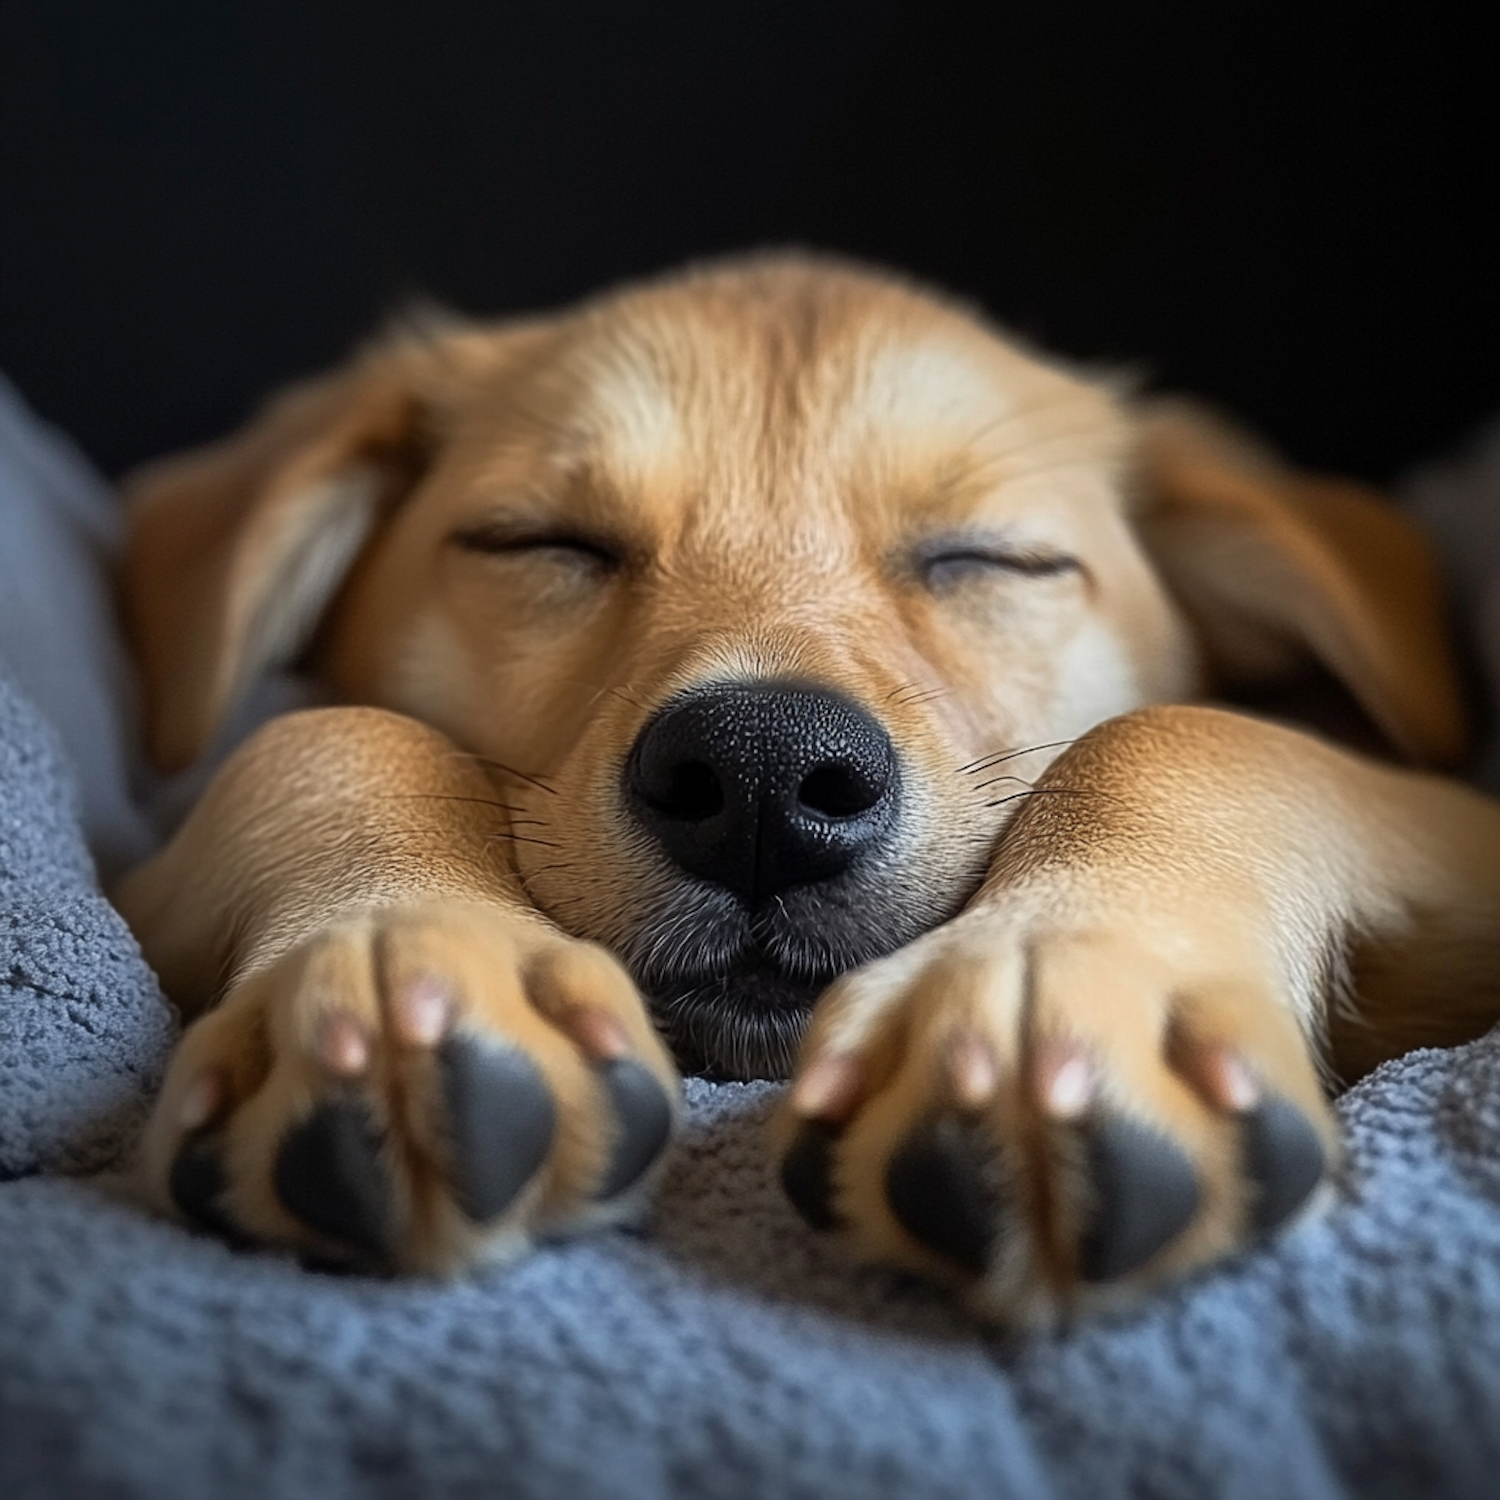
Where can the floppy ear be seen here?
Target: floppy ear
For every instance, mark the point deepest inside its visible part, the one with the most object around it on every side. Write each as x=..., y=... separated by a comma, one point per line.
x=235, y=550
x=1274, y=566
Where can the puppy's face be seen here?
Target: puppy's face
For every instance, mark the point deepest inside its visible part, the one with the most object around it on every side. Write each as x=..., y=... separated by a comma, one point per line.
x=748, y=580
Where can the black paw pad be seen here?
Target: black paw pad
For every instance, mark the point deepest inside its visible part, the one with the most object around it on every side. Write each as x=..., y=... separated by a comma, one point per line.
x=807, y=1174
x=944, y=1186
x=329, y=1174
x=645, y=1121
x=1283, y=1158
x=501, y=1119
x=1145, y=1194
x=197, y=1182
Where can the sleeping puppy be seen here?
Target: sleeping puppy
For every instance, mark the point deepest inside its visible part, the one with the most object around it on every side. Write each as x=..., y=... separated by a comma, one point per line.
x=775, y=668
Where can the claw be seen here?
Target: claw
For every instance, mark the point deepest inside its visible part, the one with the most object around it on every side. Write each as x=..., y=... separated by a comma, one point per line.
x=1063, y=1080
x=828, y=1088
x=201, y=1100
x=1216, y=1070
x=501, y=1120
x=423, y=1012
x=645, y=1118
x=942, y=1186
x=1146, y=1193
x=329, y=1174
x=973, y=1074
x=343, y=1047
x=1284, y=1158
x=597, y=1032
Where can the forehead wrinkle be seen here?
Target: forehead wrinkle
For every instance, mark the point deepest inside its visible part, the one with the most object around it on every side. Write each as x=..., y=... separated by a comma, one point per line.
x=939, y=428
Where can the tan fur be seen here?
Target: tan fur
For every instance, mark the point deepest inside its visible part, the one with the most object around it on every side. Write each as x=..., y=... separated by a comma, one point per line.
x=765, y=448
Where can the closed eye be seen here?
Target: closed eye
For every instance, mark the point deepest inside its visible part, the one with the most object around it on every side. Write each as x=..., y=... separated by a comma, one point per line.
x=496, y=540
x=944, y=565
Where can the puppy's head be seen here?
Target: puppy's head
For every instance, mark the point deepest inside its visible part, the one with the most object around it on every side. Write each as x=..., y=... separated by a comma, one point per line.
x=767, y=590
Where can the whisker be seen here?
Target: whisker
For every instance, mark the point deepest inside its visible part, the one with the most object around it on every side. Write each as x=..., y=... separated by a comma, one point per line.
x=499, y=765
x=996, y=780
x=605, y=690
x=1043, y=791
x=986, y=761
x=911, y=693
x=925, y=697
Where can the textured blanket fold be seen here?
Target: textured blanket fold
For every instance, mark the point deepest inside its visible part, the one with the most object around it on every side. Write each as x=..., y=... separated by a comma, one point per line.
x=83, y=1027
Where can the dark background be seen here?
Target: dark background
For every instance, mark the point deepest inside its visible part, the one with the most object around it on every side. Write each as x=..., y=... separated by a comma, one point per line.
x=1288, y=210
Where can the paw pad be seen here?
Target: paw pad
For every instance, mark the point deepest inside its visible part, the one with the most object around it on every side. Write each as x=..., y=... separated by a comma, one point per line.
x=807, y=1174
x=1284, y=1159
x=197, y=1183
x=1145, y=1193
x=943, y=1185
x=329, y=1174
x=645, y=1123
x=501, y=1120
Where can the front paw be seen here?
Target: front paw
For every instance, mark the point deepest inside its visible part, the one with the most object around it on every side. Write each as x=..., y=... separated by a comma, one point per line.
x=1054, y=1119
x=415, y=1089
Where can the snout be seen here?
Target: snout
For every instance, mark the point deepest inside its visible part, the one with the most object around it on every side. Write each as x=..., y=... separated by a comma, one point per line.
x=801, y=842
x=764, y=787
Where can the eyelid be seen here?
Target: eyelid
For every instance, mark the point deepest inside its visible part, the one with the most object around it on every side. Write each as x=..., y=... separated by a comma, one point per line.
x=497, y=538
x=1010, y=557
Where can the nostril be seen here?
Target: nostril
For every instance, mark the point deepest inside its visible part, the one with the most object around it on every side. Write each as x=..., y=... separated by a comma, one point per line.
x=693, y=793
x=839, y=791
x=763, y=787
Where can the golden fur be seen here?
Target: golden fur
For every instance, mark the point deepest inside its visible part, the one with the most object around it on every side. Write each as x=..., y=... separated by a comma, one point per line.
x=513, y=544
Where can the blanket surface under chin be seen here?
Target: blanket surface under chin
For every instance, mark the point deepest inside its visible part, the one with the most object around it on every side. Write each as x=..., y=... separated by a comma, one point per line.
x=720, y=1349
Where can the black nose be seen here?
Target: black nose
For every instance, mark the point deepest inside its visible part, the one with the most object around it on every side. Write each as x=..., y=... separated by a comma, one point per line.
x=763, y=786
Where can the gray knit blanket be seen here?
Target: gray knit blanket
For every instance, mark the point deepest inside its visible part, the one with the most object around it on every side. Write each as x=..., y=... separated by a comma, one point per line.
x=720, y=1350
